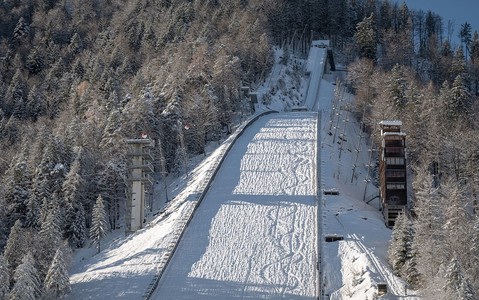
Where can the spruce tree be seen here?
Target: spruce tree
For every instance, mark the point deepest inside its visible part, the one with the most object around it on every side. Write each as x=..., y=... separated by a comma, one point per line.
x=16, y=188
x=99, y=222
x=411, y=272
x=365, y=37
x=4, y=278
x=399, y=249
x=15, y=247
x=429, y=235
x=112, y=187
x=27, y=285
x=57, y=280
x=4, y=229
x=459, y=104
x=456, y=285
x=35, y=105
x=467, y=291
x=457, y=219
x=50, y=238
x=397, y=87
x=474, y=251
x=77, y=231
x=465, y=36
x=73, y=198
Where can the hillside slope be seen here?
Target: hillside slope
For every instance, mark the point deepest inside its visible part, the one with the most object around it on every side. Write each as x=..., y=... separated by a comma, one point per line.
x=224, y=250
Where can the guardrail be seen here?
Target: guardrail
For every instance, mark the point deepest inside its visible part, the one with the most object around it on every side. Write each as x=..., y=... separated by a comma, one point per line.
x=204, y=186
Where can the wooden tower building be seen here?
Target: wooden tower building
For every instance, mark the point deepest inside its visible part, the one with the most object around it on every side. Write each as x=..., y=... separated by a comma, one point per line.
x=392, y=171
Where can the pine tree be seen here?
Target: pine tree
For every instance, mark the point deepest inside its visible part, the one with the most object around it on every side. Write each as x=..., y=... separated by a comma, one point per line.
x=72, y=192
x=400, y=247
x=457, y=219
x=459, y=104
x=411, y=272
x=77, y=231
x=465, y=35
x=112, y=133
x=15, y=247
x=99, y=223
x=4, y=229
x=112, y=188
x=50, y=236
x=458, y=64
x=35, y=105
x=4, y=278
x=397, y=87
x=446, y=109
x=17, y=188
x=454, y=278
x=16, y=93
x=365, y=37
x=57, y=280
x=475, y=61
x=467, y=291
x=474, y=251
x=21, y=30
x=429, y=235
x=27, y=285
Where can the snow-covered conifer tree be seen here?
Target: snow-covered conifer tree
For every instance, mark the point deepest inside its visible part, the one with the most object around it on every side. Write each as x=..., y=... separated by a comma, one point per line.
x=3, y=223
x=411, y=272
x=428, y=224
x=456, y=285
x=57, y=280
x=99, y=222
x=27, y=285
x=397, y=86
x=14, y=250
x=399, y=249
x=4, y=278
x=467, y=291
x=75, y=227
x=457, y=219
x=50, y=238
x=365, y=37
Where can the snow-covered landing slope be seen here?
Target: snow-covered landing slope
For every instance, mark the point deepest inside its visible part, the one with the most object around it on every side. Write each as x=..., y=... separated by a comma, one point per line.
x=254, y=235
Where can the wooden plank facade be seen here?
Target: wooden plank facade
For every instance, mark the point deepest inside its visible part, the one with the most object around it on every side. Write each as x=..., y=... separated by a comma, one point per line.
x=392, y=171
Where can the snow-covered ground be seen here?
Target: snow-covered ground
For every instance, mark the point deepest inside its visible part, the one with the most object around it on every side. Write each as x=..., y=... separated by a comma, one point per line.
x=255, y=233
x=351, y=267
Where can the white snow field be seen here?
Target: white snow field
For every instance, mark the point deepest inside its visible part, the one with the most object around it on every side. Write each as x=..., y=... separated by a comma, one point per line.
x=254, y=235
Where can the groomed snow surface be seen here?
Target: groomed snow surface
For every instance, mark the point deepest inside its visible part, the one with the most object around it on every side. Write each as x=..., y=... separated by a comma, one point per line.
x=255, y=234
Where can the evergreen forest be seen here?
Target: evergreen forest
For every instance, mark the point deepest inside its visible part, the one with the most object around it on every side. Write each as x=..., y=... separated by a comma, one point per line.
x=79, y=77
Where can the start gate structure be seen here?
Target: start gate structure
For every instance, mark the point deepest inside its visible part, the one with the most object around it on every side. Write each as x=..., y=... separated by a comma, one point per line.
x=392, y=171
x=139, y=170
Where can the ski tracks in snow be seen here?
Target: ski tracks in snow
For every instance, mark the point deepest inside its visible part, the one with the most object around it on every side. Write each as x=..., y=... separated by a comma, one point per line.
x=289, y=246
x=257, y=224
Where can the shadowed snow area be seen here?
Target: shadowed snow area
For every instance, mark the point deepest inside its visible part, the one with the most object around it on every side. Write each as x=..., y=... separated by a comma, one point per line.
x=254, y=235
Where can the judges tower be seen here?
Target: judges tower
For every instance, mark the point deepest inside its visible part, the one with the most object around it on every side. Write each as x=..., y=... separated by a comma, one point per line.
x=140, y=182
x=392, y=171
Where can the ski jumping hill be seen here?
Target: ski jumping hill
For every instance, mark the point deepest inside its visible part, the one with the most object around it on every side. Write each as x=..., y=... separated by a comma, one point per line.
x=258, y=231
